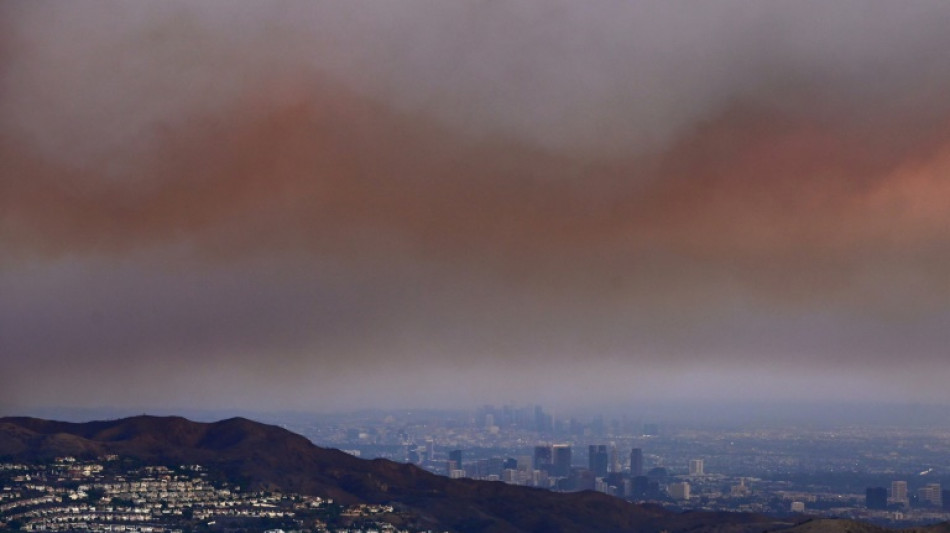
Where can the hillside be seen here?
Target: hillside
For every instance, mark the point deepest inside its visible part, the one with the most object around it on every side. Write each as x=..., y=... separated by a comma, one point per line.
x=261, y=456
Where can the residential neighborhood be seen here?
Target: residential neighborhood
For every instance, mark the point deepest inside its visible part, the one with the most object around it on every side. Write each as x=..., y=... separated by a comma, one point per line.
x=114, y=494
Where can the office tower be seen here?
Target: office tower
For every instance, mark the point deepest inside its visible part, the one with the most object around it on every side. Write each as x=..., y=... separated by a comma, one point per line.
x=542, y=421
x=696, y=467
x=494, y=466
x=899, y=491
x=542, y=458
x=679, y=491
x=636, y=462
x=524, y=463
x=483, y=415
x=614, y=459
x=931, y=494
x=561, y=459
x=876, y=498
x=455, y=458
x=597, y=459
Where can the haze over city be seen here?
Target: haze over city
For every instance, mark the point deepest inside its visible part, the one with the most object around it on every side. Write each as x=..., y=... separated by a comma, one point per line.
x=319, y=206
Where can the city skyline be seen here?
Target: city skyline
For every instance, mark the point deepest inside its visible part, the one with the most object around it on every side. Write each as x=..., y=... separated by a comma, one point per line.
x=324, y=206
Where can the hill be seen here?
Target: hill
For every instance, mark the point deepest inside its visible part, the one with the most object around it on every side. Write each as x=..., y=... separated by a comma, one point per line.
x=260, y=456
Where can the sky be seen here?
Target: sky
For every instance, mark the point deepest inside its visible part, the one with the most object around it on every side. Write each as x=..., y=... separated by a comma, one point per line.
x=335, y=205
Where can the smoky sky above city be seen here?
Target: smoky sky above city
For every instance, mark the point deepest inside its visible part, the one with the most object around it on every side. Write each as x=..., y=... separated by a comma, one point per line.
x=330, y=205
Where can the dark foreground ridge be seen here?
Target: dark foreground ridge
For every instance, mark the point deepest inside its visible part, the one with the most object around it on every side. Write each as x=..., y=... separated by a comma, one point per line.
x=266, y=457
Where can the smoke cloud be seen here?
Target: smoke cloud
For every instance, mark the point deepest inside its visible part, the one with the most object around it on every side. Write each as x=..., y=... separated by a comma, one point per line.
x=318, y=205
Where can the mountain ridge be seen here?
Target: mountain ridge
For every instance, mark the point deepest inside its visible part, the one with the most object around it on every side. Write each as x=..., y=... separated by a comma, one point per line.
x=266, y=457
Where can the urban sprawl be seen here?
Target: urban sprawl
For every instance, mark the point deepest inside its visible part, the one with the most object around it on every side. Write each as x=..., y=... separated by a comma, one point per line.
x=886, y=475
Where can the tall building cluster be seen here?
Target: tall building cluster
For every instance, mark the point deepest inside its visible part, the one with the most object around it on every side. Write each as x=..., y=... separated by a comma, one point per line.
x=929, y=495
x=552, y=466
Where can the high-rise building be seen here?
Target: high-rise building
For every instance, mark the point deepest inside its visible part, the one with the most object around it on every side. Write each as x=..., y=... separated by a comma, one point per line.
x=542, y=421
x=525, y=463
x=614, y=460
x=598, y=459
x=679, y=491
x=696, y=467
x=899, y=491
x=455, y=460
x=562, y=459
x=931, y=494
x=542, y=458
x=636, y=462
x=876, y=498
x=492, y=466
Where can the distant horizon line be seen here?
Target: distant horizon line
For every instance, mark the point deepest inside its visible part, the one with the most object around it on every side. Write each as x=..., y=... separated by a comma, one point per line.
x=671, y=411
